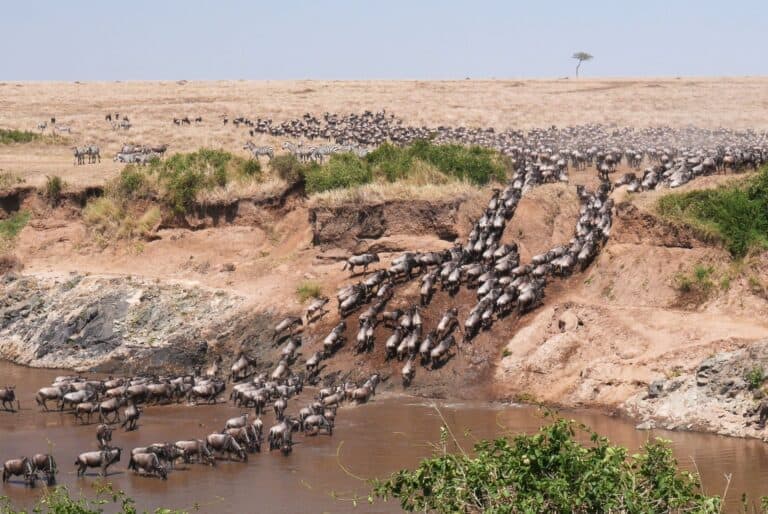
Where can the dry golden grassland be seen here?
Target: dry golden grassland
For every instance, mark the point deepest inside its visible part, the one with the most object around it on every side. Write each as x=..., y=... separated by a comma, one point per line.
x=732, y=102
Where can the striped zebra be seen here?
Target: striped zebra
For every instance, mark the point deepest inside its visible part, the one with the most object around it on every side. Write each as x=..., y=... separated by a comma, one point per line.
x=94, y=154
x=259, y=150
x=326, y=150
x=42, y=126
x=62, y=128
x=300, y=152
x=79, y=152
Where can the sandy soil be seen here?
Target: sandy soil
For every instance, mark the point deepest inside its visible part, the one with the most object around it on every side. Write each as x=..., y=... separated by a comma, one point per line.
x=151, y=106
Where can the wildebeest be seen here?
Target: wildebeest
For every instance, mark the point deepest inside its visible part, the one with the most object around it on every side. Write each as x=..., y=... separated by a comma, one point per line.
x=364, y=260
x=22, y=466
x=226, y=445
x=104, y=436
x=7, y=397
x=242, y=366
x=45, y=464
x=208, y=392
x=195, y=448
x=101, y=459
x=46, y=394
x=147, y=464
x=132, y=413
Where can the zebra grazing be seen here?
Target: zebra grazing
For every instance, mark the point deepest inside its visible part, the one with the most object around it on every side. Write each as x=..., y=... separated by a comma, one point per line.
x=259, y=150
x=80, y=152
x=62, y=128
x=94, y=154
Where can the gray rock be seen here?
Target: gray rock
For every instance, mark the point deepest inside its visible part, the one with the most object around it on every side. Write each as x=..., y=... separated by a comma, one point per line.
x=656, y=388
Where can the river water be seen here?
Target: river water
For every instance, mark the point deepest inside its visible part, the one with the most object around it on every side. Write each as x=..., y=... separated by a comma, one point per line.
x=369, y=441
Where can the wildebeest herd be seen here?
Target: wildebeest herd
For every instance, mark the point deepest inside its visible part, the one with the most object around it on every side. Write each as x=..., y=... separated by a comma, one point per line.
x=240, y=436
x=486, y=265
x=482, y=263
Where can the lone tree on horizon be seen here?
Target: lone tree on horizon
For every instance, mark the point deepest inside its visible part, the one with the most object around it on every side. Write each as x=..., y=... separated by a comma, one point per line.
x=581, y=57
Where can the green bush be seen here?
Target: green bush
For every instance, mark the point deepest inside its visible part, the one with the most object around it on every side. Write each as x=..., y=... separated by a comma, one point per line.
x=550, y=471
x=736, y=214
x=423, y=161
x=288, y=168
x=342, y=171
x=131, y=183
x=53, y=187
x=471, y=163
x=17, y=136
x=755, y=377
x=252, y=168
x=182, y=176
x=182, y=187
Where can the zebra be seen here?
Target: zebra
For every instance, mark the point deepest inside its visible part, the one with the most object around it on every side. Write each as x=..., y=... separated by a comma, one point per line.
x=94, y=154
x=259, y=150
x=323, y=150
x=42, y=126
x=62, y=128
x=123, y=124
x=301, y=153
x=79, y=153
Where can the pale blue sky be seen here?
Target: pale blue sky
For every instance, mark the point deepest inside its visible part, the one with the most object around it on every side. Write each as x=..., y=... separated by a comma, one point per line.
x=393, y=39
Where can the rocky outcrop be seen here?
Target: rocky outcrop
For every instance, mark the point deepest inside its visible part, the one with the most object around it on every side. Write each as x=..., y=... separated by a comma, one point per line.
x=85, y=322
x=720, y=395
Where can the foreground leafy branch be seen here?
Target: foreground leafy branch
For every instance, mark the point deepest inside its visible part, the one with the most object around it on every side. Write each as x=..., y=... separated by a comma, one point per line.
x=58, y=500
x=550, y=471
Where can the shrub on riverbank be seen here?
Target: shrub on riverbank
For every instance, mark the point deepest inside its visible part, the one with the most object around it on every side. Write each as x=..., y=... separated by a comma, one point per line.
x=550, y=471
x=735, y=214
x=421, y=163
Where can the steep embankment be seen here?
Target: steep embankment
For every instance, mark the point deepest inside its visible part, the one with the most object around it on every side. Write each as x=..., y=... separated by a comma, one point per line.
x=606, y=335
x=601, y=339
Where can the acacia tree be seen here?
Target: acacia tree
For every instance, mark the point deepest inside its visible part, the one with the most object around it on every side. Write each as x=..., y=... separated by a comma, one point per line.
x=581, y=57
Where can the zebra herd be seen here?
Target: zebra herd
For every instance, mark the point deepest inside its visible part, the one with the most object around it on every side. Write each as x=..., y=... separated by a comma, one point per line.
x=139, y=154
x=320, y=152
x=89, y=152
x=56, y=128
x=116, y=122
x=305, y=153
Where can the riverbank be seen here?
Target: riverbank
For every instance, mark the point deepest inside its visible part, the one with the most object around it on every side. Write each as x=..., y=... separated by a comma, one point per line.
x=369, y=441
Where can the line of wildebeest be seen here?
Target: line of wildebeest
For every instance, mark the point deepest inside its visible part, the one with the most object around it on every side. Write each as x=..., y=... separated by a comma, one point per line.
x=483, y=264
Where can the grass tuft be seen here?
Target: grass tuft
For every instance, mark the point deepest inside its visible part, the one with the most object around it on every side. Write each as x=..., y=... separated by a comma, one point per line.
x=9, y=179
x=11, y=136
x=308, y=289
x=53, y=187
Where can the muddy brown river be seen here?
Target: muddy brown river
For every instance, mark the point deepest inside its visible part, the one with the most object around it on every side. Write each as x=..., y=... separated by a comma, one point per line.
x=371, y=440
